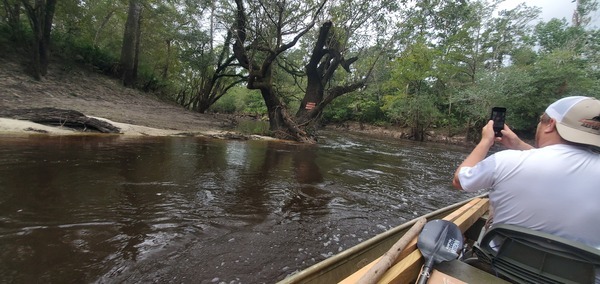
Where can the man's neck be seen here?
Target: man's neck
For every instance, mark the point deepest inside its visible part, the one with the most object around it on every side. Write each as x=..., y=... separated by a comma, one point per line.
x=552, y=139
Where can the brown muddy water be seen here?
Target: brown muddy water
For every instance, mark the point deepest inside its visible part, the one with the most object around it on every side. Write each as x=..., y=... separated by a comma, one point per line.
x=189, y=210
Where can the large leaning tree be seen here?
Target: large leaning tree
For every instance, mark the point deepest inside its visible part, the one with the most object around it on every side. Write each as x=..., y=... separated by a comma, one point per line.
x=265, y=31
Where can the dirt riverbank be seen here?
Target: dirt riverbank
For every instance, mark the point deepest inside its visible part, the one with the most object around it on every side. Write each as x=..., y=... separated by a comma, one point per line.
x=72, y=87
x=95, y=95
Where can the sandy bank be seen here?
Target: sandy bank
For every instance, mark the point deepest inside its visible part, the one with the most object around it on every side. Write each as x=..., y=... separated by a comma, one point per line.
x=15, y=126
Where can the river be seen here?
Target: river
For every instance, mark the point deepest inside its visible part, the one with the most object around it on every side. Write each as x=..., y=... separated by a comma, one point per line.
x=110, y=209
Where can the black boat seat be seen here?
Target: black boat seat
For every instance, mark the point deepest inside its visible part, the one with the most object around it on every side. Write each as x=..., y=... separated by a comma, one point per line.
x=523, y=255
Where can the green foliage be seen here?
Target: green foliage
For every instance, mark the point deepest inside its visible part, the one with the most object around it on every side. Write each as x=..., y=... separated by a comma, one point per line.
x=225, y=105
x=256, y=127
x=510, y=87
x=440, y=63
x=339, y=111
x=7, y=36
x=393, y=107
x=85, y=52
x=412, y=111
x=359, y=106
x=368, y=111
x=252, y=103
x=557, y=34
x=523, y=57
x=241, y=100
x=411, y=101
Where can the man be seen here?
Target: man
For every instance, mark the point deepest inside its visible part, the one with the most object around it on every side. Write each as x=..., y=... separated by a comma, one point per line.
x=555, y=187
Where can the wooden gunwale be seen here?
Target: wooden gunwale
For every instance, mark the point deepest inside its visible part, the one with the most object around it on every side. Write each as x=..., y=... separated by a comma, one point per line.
x=344, y=264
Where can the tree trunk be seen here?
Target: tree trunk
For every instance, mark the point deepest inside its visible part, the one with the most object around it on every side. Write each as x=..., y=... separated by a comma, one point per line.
x=130, y=44
x=325, y=59
x=102, y=25
x=138, y=36
x=281, y=123
x=165, y=71
x=41, y=15
x=46, y=31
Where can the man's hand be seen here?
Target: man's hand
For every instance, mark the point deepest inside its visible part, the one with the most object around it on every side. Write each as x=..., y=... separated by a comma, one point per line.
x=487, y=134
x=511, y=141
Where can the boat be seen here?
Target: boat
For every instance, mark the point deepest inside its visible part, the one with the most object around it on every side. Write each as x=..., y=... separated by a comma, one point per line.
x=527, y=256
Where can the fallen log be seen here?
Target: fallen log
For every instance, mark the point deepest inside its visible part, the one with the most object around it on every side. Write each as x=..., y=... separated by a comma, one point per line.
x=61, y=117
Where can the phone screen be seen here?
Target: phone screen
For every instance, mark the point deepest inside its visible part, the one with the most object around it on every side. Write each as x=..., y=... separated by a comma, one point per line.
x=498, y=116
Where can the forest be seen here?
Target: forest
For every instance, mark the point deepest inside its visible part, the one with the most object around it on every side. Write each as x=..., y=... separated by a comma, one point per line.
x=299, y=64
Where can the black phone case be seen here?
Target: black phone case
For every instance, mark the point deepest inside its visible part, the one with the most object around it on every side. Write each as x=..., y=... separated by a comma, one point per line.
x=498, y=116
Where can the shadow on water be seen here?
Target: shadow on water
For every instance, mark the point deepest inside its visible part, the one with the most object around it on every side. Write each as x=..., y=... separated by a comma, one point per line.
x=189, y=210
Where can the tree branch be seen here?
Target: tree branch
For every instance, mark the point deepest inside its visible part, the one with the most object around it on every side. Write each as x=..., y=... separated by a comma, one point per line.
x=341, y=90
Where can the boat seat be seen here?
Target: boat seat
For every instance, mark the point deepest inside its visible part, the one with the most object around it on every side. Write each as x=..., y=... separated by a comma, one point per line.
x=523, y=255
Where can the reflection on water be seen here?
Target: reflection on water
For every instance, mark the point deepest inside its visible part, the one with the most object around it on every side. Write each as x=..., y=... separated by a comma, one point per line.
x=190, y=210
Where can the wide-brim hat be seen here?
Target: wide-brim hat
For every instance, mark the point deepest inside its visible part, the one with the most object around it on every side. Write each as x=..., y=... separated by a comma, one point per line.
x=577, y=119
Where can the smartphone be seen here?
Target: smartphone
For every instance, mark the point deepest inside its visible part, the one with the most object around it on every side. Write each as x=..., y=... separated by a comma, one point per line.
x=498, y=116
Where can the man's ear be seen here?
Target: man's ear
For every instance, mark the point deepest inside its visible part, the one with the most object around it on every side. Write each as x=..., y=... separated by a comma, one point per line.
x=551, y=126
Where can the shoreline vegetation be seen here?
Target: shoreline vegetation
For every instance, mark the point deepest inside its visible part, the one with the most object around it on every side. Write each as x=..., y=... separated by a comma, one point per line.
x=432, y=83
x=71, y=88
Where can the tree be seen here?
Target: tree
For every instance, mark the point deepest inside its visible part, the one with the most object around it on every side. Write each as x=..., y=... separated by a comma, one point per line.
x=131, y=43
x=411, y=100
x=12, y=9
x=211, y=67
x=557, y=34
x=482, y=51
x=261, y=44
x=208, y=83
x=583, y=11
x=40, y=14
x=442, y=50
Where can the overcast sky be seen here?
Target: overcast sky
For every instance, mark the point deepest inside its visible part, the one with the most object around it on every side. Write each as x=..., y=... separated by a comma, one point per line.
x=552, y=9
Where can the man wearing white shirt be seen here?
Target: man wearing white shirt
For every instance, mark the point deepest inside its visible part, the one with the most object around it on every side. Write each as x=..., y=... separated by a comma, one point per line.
x=553, y=187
